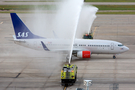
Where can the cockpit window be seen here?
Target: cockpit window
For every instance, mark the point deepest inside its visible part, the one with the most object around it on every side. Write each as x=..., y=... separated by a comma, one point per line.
x=120, y=44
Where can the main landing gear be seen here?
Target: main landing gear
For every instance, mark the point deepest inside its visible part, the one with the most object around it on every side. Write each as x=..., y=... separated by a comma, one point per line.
x=114, y=56
x=67, y=58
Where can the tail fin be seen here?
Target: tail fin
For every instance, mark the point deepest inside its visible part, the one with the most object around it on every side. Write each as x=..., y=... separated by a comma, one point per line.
x=21, y=30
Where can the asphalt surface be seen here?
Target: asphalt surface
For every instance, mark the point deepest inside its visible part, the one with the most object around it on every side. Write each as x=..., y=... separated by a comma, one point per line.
x=26, y=69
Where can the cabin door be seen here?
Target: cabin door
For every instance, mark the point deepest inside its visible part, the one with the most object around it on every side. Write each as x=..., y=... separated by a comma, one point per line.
x=75, y=45
x=112, y=46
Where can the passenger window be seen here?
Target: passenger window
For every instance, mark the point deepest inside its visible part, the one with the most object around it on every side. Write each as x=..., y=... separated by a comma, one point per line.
x=75, y=44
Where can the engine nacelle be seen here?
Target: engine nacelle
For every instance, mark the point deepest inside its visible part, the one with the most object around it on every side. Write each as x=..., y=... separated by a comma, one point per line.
x=84, y=54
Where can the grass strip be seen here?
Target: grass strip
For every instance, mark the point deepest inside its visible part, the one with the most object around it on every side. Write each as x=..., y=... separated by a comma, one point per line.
x=130, y=13
x=115, y=7
x=29, y=1
x=54, y=7
x=27, y=7
x=123, y=13
x=109, y=0
x=85, y=1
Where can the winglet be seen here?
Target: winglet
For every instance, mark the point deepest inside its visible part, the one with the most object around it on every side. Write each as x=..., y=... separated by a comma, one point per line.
x=44, y=46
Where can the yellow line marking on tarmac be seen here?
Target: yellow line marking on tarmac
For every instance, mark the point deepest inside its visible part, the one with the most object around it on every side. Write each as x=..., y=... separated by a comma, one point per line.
x=94, y=31
x=1, y=22
x=65, y=88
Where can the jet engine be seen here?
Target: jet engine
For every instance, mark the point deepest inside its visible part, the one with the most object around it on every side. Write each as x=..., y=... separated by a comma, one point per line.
x=84, y=54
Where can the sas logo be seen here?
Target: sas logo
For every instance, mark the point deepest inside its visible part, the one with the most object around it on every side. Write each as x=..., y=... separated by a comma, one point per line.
x=121, y=48
x=22, y=34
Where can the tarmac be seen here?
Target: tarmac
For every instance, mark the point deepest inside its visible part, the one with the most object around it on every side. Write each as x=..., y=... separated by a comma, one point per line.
x=22, y=68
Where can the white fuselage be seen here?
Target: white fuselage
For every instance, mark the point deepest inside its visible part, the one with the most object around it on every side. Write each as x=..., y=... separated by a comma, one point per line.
x=95, y=46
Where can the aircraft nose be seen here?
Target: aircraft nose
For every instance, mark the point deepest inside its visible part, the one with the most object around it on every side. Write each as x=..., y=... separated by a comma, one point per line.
x=126, y=48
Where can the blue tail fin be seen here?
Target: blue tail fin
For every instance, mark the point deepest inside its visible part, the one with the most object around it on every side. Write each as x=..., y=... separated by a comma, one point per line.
x=21, y=30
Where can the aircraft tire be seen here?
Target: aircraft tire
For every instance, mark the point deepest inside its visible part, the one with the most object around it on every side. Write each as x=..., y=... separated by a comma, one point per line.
x=114, y=57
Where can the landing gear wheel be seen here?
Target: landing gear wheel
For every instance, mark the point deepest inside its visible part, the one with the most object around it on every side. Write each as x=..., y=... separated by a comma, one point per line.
x=67, y=58
x=114, y=57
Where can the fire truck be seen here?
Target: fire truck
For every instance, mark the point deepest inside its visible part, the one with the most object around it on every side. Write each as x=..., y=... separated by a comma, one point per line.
x=88, y=36
x=68, y=74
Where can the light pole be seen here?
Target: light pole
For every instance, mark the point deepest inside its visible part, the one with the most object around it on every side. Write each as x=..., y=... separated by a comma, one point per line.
x=87, y=83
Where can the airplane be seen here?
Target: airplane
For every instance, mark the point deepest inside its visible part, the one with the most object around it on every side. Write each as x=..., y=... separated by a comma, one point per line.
x=82, y=48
